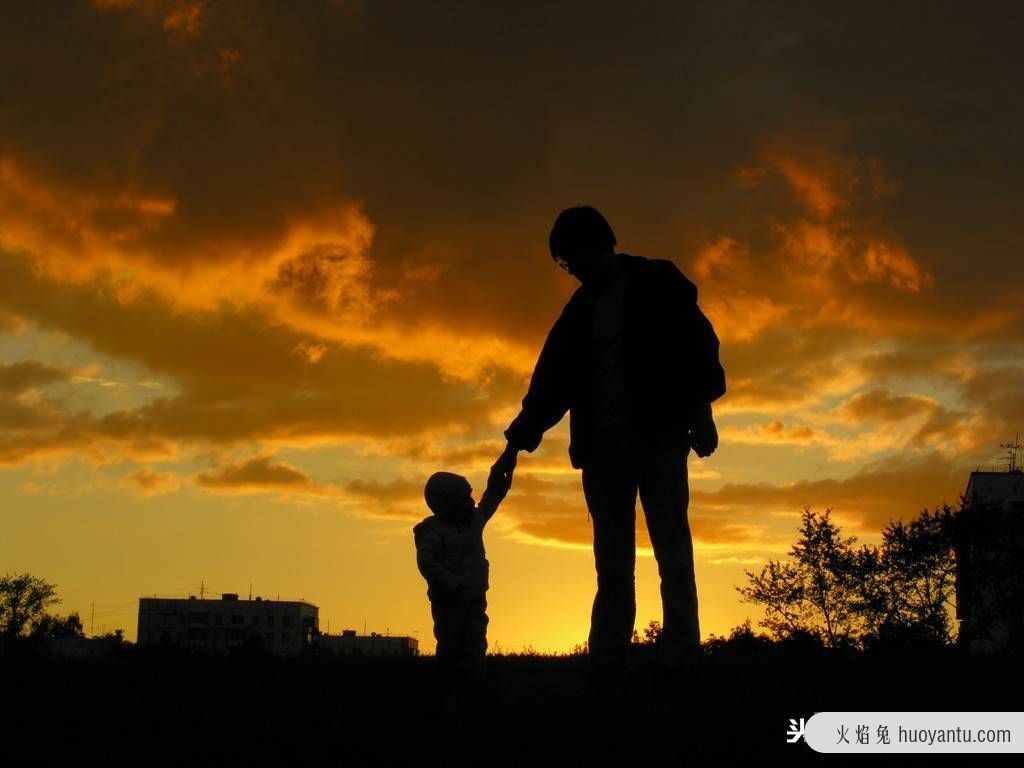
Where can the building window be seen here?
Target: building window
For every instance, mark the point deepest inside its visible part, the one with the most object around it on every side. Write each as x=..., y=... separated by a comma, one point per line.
x=270, y=621
x=284, y=637
x=236, y=619
x=286, y=621
x=255, y=621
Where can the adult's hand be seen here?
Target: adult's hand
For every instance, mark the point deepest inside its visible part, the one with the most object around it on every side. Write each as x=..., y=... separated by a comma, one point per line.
x=704, y=434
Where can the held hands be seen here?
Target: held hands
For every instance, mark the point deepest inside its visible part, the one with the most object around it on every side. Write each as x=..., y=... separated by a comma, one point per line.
x=506, y=463
x=500, y=479
x=704, y=434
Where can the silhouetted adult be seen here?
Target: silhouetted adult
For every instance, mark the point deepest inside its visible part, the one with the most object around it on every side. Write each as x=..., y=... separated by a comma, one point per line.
x=635, y=363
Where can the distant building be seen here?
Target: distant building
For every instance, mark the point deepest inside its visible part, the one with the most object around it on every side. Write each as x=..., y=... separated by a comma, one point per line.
x=285, y=627
x=348, y=643
x=990, y=563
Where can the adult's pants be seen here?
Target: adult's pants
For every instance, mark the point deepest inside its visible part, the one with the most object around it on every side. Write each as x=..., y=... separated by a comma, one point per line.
x=612, y=477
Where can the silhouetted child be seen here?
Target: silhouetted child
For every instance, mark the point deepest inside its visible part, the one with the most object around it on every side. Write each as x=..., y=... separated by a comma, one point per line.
x=450, y=555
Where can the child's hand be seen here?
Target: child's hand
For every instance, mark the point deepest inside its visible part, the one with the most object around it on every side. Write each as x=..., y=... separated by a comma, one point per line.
x=499, y=481
x=507, y=461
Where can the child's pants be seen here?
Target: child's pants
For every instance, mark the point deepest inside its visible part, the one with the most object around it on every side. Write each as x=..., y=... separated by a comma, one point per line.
x=460, y=627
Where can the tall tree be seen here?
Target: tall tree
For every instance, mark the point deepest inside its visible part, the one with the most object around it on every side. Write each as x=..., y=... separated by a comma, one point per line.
x=24, y=599
x=899, y=593
x=918, y=571
x=49, y=627
x=814, y=592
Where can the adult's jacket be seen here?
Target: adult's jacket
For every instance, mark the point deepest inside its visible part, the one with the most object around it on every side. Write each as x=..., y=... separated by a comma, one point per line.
x=670, y=362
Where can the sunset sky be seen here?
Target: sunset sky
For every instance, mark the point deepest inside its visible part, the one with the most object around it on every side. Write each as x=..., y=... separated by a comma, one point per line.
x=264, y=267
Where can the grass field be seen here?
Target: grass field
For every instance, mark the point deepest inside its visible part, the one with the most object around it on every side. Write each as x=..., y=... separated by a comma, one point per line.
x=533, y=707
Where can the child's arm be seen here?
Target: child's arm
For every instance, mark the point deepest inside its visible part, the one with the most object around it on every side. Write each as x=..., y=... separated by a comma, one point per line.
x=498, y=484
x=428, y=558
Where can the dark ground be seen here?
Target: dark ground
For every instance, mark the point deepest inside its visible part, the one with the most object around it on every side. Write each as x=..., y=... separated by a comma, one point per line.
x=531, y=710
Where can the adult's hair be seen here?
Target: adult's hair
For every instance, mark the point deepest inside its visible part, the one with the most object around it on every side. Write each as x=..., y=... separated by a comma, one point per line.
x=580, y=228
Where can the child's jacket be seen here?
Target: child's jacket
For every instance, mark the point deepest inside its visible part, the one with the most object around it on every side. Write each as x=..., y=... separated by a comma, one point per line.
x=451, y=555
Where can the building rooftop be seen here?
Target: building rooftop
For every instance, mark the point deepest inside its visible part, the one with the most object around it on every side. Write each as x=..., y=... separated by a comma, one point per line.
x=995, y=486
x=227, y=597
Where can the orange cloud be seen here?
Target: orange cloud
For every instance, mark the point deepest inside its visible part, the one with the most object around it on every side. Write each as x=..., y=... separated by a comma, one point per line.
x=184, y=18
x=315, y=275
x=869, y=499
x=815, y=188
x=238, y=374
x=776, y=433
x=148, y=482
x=181, y=16
x=884, y=262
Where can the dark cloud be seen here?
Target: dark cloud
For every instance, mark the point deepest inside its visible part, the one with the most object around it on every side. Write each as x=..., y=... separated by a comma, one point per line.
x=921, y=356
x=784, y=366
x=399, y=490
x=548, y=518
x=884, y=405
x=995, y=396
x=17, y=377
x=243, y=128
x=256, y=473
x=942, y=427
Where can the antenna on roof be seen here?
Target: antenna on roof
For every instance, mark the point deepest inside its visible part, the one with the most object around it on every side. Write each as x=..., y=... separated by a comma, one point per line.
x=1011, y=453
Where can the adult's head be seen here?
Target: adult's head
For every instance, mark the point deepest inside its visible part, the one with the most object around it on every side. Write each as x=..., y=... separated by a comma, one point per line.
x=583, y=244
x=449, y=496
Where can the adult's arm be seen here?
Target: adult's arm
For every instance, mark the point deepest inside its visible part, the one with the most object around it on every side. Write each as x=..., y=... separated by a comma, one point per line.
x=710, y=378
x=705, y=375
x=548, y=397
x=702, y=370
